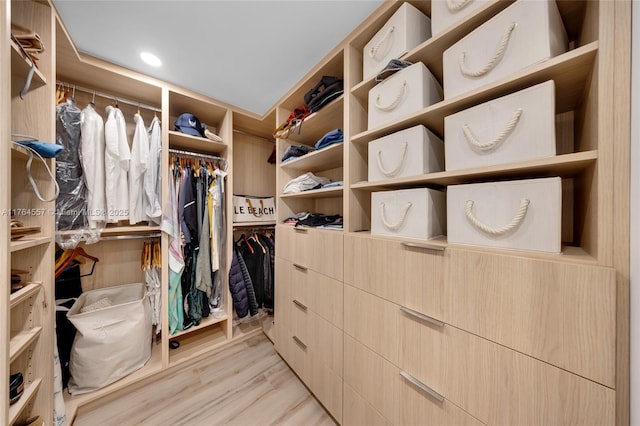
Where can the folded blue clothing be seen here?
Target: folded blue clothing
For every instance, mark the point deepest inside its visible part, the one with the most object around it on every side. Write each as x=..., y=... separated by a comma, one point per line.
x=332, y=184
x=334, y=136
x=46, y=150
x=295, y=151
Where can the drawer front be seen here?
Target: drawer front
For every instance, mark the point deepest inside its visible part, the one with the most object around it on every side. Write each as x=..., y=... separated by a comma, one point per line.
x=409, y=152
x=322, y=294
x=297, y=354
x=404, y=93
x=326, y=386
x=522, y=215
x=525, y=33
x=373, y=378
x=517, y=127
x=316, y=249
x=418, y=213
x=404, y=274
x=358, y=412
x=498, y=385
x=325, y=342
x=372, y=321
x=563, y=314
x=407, y=28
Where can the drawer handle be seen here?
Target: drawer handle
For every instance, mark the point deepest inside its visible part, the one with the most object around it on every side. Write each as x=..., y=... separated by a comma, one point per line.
x=422, y=386
x=300, y=229
x=398, y=167
x=300, y=304
x=422, y=246
x=374, y=49
x=486, y=146
x=298, y=341
x=493, y=61
x=393, y=103
x=423, y=317
x=300, y=267
x=516, y=221
x=455, y=7
x=394, y=226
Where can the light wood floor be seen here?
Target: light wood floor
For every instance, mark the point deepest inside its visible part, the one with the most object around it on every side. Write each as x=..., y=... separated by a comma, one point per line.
x=245, y=384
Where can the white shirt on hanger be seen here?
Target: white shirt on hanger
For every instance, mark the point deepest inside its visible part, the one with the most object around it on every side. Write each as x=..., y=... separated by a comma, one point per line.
x=93, y=164
x=152, y=182
x=137, y=170
x=117, y=156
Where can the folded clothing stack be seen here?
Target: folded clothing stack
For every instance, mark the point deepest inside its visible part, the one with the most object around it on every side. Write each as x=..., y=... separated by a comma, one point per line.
x=315, y=220
x=330, y=138
x=305, y=182
x=295, y=151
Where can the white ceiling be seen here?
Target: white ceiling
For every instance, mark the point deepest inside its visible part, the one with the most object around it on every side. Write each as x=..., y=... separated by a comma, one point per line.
x=246, y=53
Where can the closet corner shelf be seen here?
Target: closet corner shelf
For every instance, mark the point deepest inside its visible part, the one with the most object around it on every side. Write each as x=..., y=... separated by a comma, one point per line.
x=20, y=67
x=28, y=242
x=319, y=123
x=21, y=341
x=326, y=158
x=30, y=391
x=317, y=193
x=204, y=323
x=571, y=72
x=251, y=224
x=23, y=294
x=195, y=144
x=564, y=165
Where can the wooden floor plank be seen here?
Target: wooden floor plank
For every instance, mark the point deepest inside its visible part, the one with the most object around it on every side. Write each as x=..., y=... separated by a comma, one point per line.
x=245, y=384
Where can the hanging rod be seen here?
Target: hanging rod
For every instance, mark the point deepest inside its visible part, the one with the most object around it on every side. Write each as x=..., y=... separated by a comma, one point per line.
x=130, y=236
x=109, y=96
x=180, y=152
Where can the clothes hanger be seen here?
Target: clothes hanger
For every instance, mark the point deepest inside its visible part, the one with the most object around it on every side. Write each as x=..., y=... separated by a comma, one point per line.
x=78, y=251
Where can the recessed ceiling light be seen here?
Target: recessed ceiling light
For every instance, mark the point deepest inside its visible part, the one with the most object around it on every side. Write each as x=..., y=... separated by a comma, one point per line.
x=151, y=59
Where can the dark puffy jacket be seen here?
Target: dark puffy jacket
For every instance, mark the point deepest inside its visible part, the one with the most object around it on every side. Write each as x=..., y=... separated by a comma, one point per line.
x=238, y=288
x=251, y=294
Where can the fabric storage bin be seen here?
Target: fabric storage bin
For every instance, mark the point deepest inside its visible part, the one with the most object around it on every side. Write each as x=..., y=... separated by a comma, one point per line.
x=445, y=13
x=405, y=92
x=525, y=33
x=409, y=152
x=413, y=213
x=247, y=208
x=406, y=29
x=523, y=215
x=113, y=336
x=517, y=127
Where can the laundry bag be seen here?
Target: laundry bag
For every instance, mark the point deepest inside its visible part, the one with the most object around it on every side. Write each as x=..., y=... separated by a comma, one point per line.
x=406, y=29
x=525, y=33
x=113, y=336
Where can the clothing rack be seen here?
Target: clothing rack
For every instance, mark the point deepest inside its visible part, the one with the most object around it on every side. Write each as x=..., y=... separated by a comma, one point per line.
x=108, y=96
x=130, y=236
x=198, y=156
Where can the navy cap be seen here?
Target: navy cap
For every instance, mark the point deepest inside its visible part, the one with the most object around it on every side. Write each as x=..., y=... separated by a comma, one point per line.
x=189, y=124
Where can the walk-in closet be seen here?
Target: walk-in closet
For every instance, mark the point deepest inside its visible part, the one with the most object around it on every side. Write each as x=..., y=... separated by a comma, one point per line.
x=434, y=225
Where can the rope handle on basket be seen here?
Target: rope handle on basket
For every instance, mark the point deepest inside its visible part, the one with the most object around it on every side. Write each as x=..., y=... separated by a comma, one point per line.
x=522, y=211
x=493, y=61
x=486, y=146
x=374, y=49
x=396, y=226
x=398, y=167
x=394, y=103
x=455, y=7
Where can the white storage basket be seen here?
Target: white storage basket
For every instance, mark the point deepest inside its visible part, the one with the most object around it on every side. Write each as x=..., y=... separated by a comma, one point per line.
x=445, y=13
x=406, y=29
x=404, y=93
x=517, y=127
x=409, y=152
x=523, y=215
x=113, y=337
x=418, y=213
x=525, y=33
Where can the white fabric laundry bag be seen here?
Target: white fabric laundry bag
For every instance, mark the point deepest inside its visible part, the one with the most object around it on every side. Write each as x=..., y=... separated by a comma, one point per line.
x=113, y=337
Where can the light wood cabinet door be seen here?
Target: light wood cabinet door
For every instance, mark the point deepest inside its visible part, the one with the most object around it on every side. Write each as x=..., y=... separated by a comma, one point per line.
x=561, y=313
x=498, y=385
x=326, y=386
x=373, y=378
x=358, y=412
x=316, y=249
x=372, y=321
x=398, y=271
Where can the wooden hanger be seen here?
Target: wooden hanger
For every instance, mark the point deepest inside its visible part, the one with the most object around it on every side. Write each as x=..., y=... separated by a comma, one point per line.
x=78, y=251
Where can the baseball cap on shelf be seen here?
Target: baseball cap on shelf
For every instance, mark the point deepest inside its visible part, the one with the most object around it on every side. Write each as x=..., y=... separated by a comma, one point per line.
x=190, y=125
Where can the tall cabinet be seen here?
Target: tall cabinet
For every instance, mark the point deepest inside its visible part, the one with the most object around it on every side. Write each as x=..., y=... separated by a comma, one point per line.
x=440, y=333
x=27, y=313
